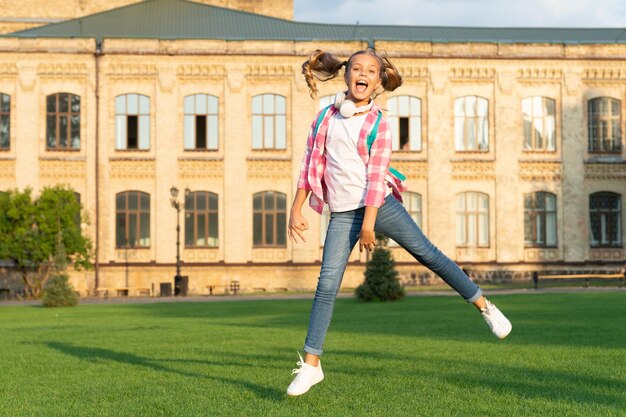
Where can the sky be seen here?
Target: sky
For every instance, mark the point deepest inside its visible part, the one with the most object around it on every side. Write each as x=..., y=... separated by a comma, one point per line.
x=488, y=13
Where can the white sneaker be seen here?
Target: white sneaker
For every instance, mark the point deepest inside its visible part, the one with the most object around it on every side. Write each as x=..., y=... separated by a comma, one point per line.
x=306, y=376
x=500, y=326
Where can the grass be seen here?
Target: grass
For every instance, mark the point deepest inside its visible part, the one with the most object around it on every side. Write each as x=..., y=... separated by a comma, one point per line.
x=423, y=356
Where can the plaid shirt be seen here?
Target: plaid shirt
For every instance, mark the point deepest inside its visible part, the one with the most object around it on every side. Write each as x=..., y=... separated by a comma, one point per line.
x=376, y=159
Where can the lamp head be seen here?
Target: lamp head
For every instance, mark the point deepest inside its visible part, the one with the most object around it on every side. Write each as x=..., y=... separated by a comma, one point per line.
x=174, y=192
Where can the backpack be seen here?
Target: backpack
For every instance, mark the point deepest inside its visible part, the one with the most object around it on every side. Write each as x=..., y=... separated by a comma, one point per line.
x=370, y=138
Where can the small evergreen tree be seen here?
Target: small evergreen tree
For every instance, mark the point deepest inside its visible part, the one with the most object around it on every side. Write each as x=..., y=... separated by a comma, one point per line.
x=381, y=278
x=59, y=292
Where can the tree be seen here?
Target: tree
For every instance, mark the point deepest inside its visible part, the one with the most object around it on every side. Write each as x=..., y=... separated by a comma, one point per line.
x=381, y=278
x=42, y=236
x=59, y=292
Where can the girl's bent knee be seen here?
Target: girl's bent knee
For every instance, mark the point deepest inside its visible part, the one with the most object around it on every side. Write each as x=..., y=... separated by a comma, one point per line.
x=327, y=287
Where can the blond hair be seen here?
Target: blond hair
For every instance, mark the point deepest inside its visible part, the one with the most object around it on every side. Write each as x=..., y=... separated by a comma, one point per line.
x=324, y=66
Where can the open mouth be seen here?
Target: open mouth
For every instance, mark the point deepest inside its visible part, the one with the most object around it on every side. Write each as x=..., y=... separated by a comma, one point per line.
x=361, y=86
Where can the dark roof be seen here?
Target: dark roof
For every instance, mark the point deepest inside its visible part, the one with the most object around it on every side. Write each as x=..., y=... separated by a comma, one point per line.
x=182, y=19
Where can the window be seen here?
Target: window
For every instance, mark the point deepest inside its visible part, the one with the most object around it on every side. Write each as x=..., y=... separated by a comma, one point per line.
x=413, y=204
x=5, y=121
x=63, y=121
x=540, y=220
x=539, y=124
x=472, y=225
x=605, y=216
x=268, y=122
x=326, y=101
x=471, y=124
x=201, y=220
x=132, y=219
x=132, y=122
x=201, y=123
x=269, y=219
x=405, y=120
x=605, y=132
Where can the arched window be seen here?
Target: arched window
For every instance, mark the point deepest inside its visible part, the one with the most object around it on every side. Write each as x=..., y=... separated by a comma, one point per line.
x=326, y=101
x=269, y=122
x=5, y=121
x=269, y=219
x=472, y=219
x=201, y=219
x=605, y=217
x=201, y=122
x=132, y=219
x=413, y=205
x=471, y=124
x=63, y=121
x=405, y=120
x=605, y=125
x=132, y=122
x=540, y=220
x=539, y=123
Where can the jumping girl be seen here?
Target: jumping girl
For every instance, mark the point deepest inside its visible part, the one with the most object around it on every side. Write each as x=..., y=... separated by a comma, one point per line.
x=347, y=166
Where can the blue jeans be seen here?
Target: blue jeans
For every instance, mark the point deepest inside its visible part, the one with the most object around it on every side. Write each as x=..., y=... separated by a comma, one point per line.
x=343, y=234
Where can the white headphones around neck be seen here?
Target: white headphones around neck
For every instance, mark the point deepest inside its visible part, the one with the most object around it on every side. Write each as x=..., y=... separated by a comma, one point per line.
x=347, y=108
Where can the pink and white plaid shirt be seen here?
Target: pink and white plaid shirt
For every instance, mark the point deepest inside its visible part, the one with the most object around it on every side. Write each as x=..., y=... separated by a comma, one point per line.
x=376, y=159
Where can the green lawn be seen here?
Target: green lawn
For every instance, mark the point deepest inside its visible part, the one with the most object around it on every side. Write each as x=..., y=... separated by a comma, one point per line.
x=423, y=356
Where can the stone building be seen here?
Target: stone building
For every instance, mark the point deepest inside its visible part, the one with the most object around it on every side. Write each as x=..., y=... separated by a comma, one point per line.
x=511, y=139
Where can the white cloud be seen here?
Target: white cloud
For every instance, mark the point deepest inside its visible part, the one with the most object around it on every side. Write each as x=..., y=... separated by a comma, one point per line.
x=494, y=13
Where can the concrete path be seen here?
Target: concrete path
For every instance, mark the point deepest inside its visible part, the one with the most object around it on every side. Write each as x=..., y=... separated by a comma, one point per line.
x=304, y=296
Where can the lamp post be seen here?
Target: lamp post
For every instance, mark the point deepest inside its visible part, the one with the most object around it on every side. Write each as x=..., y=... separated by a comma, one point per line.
x=178, y=206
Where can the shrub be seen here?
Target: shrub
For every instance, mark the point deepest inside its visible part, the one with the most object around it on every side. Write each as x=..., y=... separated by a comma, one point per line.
x=59, y=292
x=381, y=278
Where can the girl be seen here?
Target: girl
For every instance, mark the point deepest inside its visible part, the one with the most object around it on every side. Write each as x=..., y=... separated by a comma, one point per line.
x=343, y=168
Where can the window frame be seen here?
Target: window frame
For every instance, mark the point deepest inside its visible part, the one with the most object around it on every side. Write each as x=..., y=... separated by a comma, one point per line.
x=143, y=119
x=192, y=210
x=127, y=212
x=595, y=144
x=5, y=114
x=537, y=218
x=414, y=122
x=605, y=228
x=275, y=213
x=464, y=214
x=57, y=115
x=191, y=113
x=261, y=120
x=460, y=120
x=529, y=144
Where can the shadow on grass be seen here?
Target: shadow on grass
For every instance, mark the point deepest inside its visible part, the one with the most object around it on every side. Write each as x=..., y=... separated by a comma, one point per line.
x=523, y=381
x=569, y=319
x=91, y=353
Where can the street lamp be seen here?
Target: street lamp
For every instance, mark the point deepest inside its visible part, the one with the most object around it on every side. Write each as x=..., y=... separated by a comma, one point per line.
x=178, y=206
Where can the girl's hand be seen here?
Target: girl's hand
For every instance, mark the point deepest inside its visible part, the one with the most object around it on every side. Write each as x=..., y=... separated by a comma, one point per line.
x=297, y=225
x=367, y=240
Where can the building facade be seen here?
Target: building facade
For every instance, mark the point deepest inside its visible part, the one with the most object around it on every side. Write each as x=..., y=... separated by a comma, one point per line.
x=514, y=151
x=19, y=15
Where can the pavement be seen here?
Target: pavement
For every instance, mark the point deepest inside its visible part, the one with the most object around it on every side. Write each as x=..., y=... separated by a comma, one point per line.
x=304, y=296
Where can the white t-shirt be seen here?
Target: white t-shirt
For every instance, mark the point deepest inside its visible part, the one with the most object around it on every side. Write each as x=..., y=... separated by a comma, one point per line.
x=346, y=173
